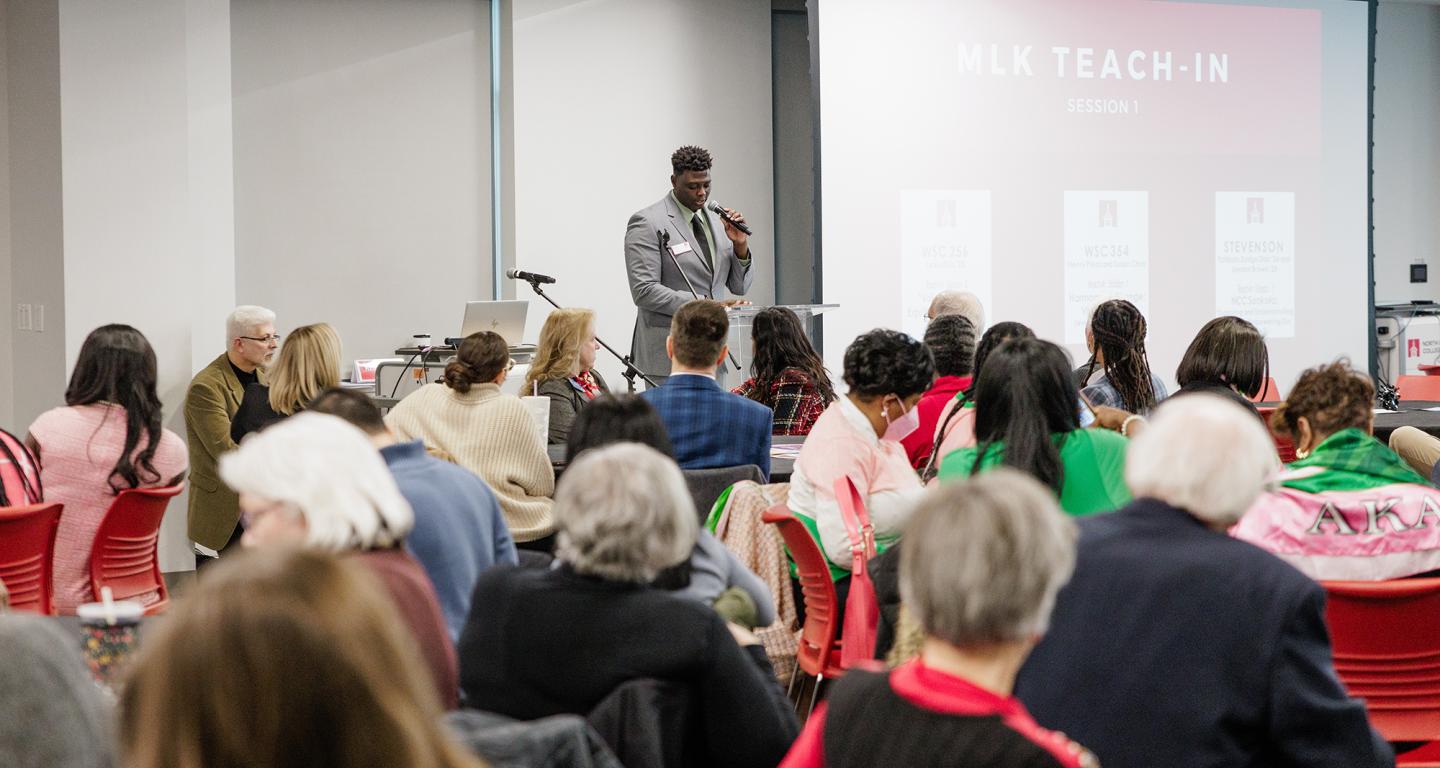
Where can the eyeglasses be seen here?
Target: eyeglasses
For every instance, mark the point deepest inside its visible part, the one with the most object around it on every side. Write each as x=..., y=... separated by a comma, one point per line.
x=272, y=338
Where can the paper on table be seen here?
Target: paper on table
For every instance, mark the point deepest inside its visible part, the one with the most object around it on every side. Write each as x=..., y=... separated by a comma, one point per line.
x=1432, y=408
x=1387, y=410
x=785, y=451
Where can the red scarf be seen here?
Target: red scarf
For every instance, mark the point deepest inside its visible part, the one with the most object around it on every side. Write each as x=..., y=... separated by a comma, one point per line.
x=588, y=385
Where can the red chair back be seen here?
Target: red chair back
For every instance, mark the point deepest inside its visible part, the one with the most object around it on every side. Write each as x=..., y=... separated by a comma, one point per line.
x=1270, y=393
x=125, y=556
x=1283, y=445
x=819, y=651
x=27, y=556
x=1418, y=387
x=1386, y=638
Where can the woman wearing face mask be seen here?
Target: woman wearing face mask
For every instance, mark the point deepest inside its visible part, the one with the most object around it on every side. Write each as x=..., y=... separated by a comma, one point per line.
x=859, y=436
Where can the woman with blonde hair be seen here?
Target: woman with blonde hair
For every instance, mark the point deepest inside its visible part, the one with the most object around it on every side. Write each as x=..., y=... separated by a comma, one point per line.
x=308, y=364
x=246, y=629
x=564, y=368
x=314, y=481
x=467, y=418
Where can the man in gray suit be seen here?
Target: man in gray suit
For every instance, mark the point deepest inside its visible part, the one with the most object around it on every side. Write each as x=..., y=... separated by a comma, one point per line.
x=680, y=225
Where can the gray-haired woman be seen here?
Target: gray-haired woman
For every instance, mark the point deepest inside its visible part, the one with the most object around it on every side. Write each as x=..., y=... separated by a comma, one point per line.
x=558, y=641
x=983, y=562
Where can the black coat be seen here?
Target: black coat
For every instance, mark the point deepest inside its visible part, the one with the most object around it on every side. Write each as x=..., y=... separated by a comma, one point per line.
x=1175, y=645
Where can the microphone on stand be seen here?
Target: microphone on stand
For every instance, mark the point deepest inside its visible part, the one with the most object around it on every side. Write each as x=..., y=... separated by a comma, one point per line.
x=529, y=277
x=731, y=220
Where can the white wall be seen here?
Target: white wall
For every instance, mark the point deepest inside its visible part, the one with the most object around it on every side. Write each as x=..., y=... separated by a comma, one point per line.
x=605, y=90
x=7, y=311
x=362, y=164
x=146, y=188
x=1407, y=150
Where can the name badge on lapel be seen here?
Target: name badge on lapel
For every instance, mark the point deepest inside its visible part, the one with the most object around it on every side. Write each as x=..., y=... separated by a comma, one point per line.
x=679, y=248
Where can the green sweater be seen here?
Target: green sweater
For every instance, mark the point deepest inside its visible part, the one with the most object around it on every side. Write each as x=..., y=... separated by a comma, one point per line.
x=1094, y=462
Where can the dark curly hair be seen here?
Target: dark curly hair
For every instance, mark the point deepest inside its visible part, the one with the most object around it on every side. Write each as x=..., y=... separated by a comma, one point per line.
x=478, y=360
x=1331, y=397
x=1119, y=332
x=951, y=340
x=993, y=337
x=884, y=362
x=690, y=158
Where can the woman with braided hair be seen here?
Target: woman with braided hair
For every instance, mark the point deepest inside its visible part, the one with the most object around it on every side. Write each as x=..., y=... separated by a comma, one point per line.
x=1118, y=374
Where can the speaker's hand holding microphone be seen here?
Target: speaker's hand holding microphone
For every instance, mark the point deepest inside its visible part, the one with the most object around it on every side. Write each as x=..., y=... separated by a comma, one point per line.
x=735, y=227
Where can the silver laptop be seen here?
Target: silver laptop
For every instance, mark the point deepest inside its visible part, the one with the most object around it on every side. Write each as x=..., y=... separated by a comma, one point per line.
x=506, y=318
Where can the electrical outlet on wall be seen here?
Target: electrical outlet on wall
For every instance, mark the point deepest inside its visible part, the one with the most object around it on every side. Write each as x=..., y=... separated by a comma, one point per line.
x=22, y=317
x=37, y=318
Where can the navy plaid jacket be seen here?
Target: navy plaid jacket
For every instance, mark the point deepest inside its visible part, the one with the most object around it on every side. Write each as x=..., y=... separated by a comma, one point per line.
x=710, y=427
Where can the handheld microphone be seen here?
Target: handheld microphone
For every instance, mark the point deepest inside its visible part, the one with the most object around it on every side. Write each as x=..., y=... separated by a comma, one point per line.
x=529, y=277
x=719, y=211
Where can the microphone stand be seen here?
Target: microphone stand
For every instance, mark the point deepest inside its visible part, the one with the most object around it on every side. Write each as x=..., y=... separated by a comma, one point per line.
x=665, y=247
x=630, y=370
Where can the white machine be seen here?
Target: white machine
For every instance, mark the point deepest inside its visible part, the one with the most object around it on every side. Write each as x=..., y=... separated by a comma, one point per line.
x=1405, y=340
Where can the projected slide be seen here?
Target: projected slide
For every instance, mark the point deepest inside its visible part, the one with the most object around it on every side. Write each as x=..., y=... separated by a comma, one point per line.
x=1196, y=158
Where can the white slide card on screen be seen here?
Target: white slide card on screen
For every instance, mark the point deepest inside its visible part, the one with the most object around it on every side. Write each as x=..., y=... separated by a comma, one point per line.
x=1255, y=259
x=944, y=245
x=1107, y=254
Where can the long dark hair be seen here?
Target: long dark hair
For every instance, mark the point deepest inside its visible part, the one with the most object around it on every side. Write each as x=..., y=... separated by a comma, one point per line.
x=1025, y=395
x=1229, y=351
x=117, y=365
x=1119, y=332
x=996, y=335
x=778, y=342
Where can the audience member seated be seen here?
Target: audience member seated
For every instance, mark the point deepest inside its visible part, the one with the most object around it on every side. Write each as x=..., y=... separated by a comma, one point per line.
x=1177, y=645
x=951, y=341
x=786, y=374
x=1227, y=357
x=314, y=481
x=983, y=561
x=470, y=421
x=713, y=571
x=564, y=368
x=1118, y=374
x=558, y=641
x=1027, y=417
x=52, y=714
x=962, y=303
x=1419, y=449
x=308, y=364
x=459, y=529
x=106, y=439
x=859, y=437
x=708, y=426
x=284, y=658
x=210, y=405
x=1349, y=508
x=955, y=425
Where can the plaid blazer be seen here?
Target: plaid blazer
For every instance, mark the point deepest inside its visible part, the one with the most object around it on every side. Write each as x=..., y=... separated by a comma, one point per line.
x=710, y=427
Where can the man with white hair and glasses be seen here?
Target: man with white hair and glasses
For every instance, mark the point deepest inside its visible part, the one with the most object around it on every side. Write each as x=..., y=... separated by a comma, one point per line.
x=210, y=404
x=1177, y=645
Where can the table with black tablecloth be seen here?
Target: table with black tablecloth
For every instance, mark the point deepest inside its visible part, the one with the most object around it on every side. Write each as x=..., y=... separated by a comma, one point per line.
x=1412, y=414
x=780, y=467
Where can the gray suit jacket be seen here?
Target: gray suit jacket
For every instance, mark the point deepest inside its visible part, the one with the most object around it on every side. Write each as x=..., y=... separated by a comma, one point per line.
x=658, y=289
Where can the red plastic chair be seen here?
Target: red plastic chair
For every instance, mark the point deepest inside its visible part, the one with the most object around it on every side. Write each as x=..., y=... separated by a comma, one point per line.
x=27, y=556
x=818, y=654
x=1283, y=445
x=125, y=556
x=1418, y=387
x=1268, y=393
x=1386, y=638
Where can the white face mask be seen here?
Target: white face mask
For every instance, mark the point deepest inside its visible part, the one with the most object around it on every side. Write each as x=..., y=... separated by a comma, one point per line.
x=900, y=428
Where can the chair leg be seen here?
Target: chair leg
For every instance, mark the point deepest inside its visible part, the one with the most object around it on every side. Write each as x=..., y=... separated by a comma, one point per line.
x=815, y=695
x=794, y=677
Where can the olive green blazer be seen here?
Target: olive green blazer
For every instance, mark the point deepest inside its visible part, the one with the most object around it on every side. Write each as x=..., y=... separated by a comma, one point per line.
x=210, y=404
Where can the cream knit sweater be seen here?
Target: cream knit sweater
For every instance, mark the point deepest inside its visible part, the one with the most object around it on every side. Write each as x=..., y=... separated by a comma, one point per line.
x=492, y=435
